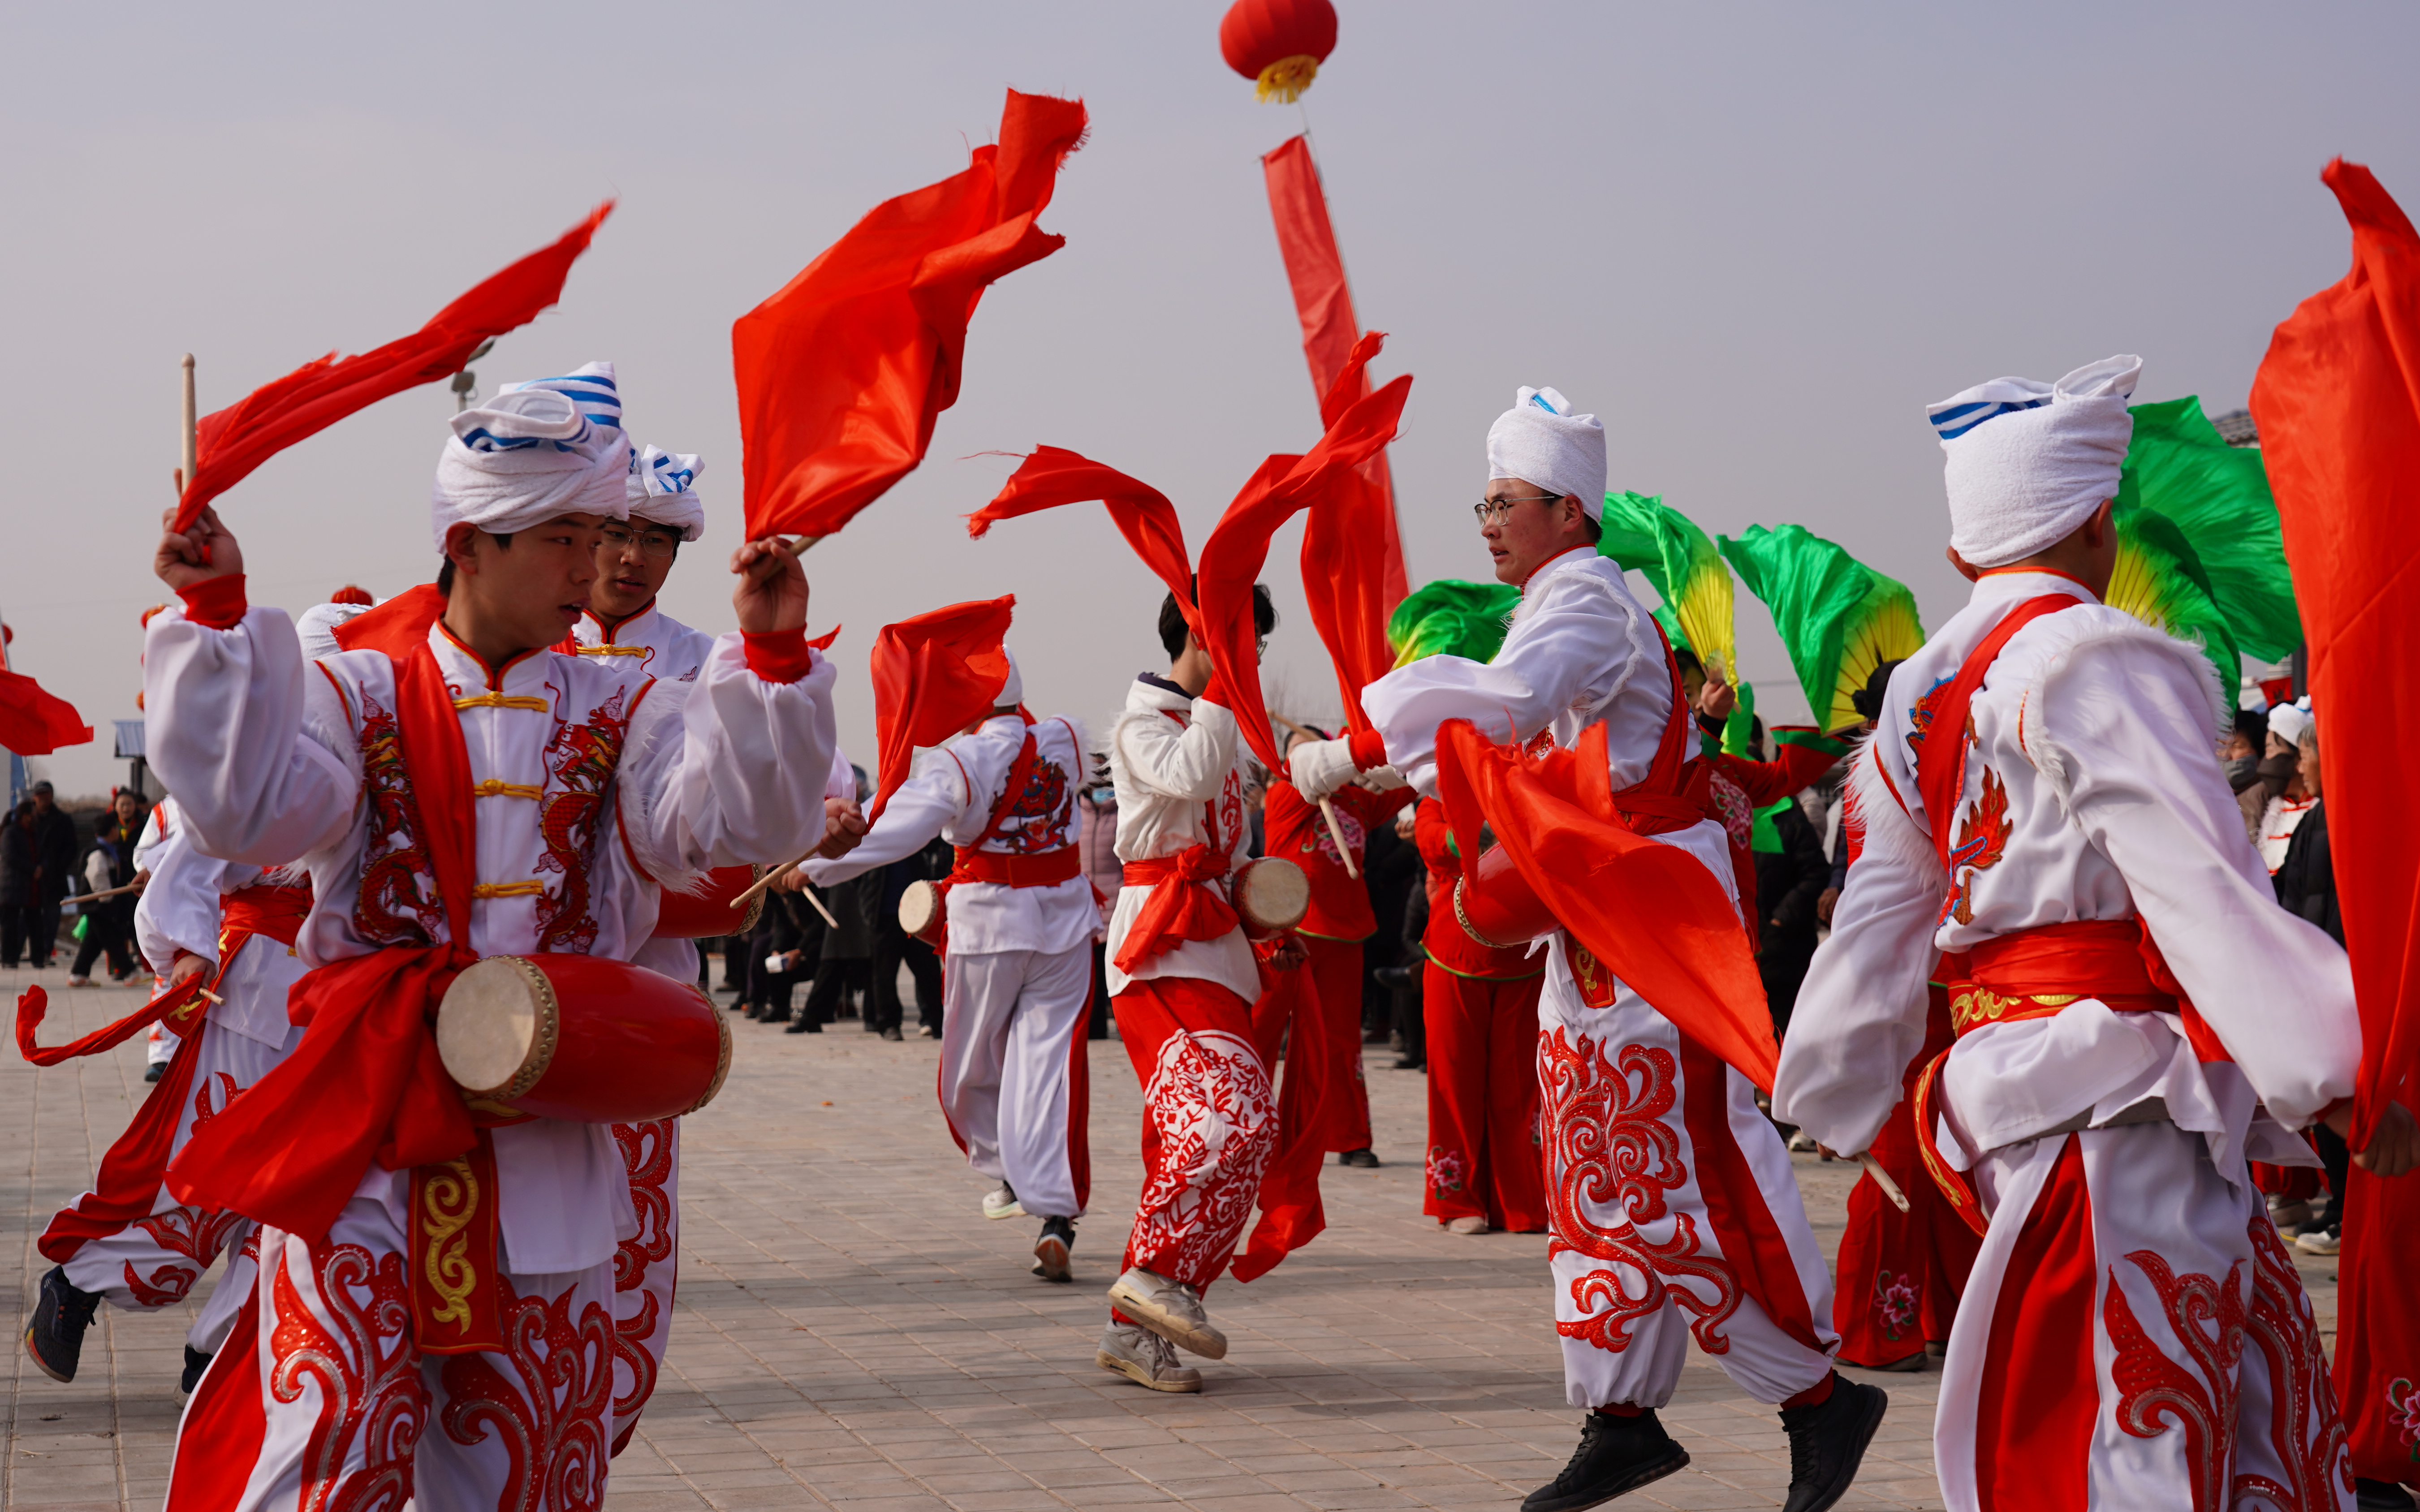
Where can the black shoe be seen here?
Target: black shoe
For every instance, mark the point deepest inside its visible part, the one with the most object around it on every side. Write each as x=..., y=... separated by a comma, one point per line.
x=1616, y=1455
x=894, y=1035
x=932, y=1031
x=800, y=1024
x=1412, y=1063
x=155, y=1070
x=1397, y=975
x=2380, y=1496
x=1828, y=1443
x=1364, y=1159
x=195, y=1363
x=755, y=1011
x=55, y=1336
x=1050, y=1250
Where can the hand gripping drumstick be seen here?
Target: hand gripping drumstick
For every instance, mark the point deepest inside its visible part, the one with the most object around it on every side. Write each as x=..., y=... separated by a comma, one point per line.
x=1326, y=808
x=778, y=872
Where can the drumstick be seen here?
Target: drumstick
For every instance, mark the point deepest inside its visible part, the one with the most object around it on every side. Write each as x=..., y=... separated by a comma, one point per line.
x=1882, y=1178
x=1326, y=808
x=777, y=873
x=810, y=897
x=96, y=896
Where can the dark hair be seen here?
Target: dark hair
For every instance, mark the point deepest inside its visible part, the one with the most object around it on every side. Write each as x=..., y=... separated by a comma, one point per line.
x=1172, y=619
x=1590, y=527
x=2252, y=725
x=446, y=565
x=1868, y=701
x=1687, y=661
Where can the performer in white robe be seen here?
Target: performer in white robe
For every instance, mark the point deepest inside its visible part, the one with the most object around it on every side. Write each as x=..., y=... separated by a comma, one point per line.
x=586, y=787
x=1671, y=1201
x=1017, y=974
x=2135, y=1015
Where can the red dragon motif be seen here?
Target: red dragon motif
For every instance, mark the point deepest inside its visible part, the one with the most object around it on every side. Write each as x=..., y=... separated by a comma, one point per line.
x=1607, y=1143
x=647, y=1152
x=397, y=904
x=553, y=1418
x=2305, y=1431
x=367, y=1373
x=199, y=1234
x=1038, y=818
x=2155, y=1392
x=580, y=762
x=1982, y=839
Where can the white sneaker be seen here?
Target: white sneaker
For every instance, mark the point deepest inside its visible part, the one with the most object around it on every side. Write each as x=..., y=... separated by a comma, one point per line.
x=1470, y=1224
x=2318, y=1241
x=1001, y=1202
x=1169, y=1309
x=1802, y=1143
x=1144, y=1358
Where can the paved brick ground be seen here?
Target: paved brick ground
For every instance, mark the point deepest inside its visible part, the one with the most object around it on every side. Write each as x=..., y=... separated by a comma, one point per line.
x=853, y=1332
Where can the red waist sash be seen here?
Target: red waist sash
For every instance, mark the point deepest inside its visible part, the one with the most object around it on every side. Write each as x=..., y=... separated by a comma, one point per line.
x=1006, y=868
x=1184, y=903
x=2037, y=972
x=263, y=908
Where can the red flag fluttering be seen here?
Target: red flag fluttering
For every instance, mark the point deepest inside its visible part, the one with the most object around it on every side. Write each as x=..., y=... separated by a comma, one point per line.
x=1053, y=476
x=1233, y=557
x=233, y=441
x=2337, y=402
x=933, y=676
x=1330, y=339
x=1345, y=557
x=841, y=373
x=1651, y=913
x=33, y=722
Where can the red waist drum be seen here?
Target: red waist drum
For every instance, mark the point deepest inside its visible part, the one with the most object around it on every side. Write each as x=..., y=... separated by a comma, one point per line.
x=582, y=1038
x=1271, y=896
x=709, y=911
x=1496, y=906
x=924, y=912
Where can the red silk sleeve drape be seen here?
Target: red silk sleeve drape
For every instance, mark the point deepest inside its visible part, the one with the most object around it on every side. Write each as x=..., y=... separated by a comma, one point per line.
x=2338, y=401
x=843, y=373
x=231, y=442
x=1345, y=563
x=1053, y=476
x=933, y=676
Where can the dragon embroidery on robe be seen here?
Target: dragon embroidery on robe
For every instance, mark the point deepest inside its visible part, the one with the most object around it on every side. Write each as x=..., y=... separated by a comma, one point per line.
x=580, y=761
x=397, y=904
x=1982, y=839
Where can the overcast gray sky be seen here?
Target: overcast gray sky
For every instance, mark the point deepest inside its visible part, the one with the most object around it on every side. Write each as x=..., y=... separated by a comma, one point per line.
x=1756, y=240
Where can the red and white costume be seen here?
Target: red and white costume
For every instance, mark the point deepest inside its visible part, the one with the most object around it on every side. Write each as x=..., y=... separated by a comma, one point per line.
x=1182, y=980
x=2132, y=1333
x=128, y=1239
x=1017, y=974
x=1672, y=1205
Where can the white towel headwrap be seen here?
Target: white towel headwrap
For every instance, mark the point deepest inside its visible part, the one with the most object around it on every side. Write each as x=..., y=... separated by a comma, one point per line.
x=1013, y=691
x=537, y=449
x=316, y=627
x=1540, y=440
x=660, y=490
x=2029, y=462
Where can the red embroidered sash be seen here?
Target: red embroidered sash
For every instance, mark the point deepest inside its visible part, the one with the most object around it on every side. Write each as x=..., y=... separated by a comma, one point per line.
x=1185, y=904
x=1047, y=869
x=1941, y=756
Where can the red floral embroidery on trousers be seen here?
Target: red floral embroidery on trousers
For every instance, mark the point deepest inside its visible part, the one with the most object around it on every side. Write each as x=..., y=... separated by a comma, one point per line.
x=647, y=1152
x=363, y=1361
x=1607, y=1143
x=2305, y=1431
x=2155, y=1392
x=1210, y=1102
x=551, y=1414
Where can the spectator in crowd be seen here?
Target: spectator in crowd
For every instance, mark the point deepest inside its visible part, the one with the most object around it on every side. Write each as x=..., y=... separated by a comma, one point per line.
x=2281, y=776
x=1096, y=845
x=54, y=862
x=789, y=939
x=19, y=920
x=1393, y=869
x=2306, y=880
x=109, y=925
x=1791, y=873
x=895, y=947
x=2239, y=754
x=844, y=962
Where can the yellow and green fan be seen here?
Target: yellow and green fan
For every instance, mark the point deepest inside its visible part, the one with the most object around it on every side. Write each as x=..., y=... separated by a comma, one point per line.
x=1837, y=618
x=1449, y=617
x=2160, y=581
x=1646, y=535
x=2217, y=497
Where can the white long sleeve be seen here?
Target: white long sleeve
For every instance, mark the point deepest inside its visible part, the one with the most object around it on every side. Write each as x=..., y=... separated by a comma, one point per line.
x=743, y=780
x=179, y=909
x=933, y=797
x=1187, y=761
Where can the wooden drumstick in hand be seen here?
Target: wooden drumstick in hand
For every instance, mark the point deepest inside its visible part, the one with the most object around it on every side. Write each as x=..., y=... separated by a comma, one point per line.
x=1883, y=1179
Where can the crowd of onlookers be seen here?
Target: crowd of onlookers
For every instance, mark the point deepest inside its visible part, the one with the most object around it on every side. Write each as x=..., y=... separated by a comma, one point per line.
x=47, y=861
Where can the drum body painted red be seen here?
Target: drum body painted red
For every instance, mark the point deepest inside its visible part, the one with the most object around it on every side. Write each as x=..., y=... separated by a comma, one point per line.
x=1499, y=907
x=709, y=913
x=582, y=1038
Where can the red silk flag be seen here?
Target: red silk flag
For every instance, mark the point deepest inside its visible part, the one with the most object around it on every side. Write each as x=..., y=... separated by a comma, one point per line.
x=1053, y=476
x=933, y=676
x=1651, y=913
x=1233, y=557
x=33, y=722
x=232, y=441
x=843, y=373
x=1346, y=580
x=2338, y=401
x=1324, y=302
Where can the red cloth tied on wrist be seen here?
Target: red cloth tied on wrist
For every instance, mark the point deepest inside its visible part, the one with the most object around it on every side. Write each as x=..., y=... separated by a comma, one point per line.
x=778, y=656
x=1182, y=905
x=217, y=602
x=1368, y=749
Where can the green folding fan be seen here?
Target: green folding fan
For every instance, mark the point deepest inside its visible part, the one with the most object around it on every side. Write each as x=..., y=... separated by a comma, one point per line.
x=1839, y=619
x=1449, y=617
x=2217, y=496
x=1645, y=534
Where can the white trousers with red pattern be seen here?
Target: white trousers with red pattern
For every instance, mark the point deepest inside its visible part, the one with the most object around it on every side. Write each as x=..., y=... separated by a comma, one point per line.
x=2134, y=1334
x=325, y=1400
x=645, y=1268
x=1671, y=1208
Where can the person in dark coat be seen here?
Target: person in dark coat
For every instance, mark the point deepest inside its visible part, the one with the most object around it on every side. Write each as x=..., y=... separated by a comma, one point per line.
x=54, y=862
x=109, y=925
x=2307, y=887
x=788, y=938
x=1791, y=875
x=895, y=947
x=844, y=962
x=19, y=920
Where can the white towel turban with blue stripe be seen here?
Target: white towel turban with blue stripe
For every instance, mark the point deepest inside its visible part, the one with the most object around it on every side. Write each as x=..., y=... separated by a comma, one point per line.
x=661, y=490
x=536, y=451
x=1540, y=440
x=2029, y=462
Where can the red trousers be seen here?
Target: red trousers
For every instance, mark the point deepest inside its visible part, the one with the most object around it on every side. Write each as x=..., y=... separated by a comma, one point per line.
x=1209, y=1123
x=1485, y=1158
x=2378, y=1326
x=1901, y=1273
x=1287, y=1022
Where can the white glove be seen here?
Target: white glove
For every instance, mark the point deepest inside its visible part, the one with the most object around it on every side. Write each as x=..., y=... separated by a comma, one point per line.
x=1382, y=779
x=1318, y=767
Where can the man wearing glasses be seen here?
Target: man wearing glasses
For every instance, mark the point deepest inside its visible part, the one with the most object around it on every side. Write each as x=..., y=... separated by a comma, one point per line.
x=1670, y=1199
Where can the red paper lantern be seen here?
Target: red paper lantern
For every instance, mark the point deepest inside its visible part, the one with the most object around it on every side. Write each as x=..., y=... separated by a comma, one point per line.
x=1279, y=44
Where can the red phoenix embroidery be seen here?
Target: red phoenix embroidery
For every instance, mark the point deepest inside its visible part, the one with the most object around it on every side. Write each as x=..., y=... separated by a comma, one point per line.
x=1982, y=839
x=2305, y=1431
x=552, y=1419
x=1607, y=1145
x=580, y=762
x=2208, y=1318
x=362, y=1362
x=1211, y=1105
x=1038, y=818
x=398, y=902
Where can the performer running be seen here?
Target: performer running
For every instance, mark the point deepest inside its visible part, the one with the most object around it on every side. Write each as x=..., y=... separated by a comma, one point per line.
x=1016, y=974
x=1706, y=1234
x=458, y=792
x=1181, y=982
x=2042, y=803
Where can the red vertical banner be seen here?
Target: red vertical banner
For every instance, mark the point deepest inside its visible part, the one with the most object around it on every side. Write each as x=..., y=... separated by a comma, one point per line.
x=1324, y=302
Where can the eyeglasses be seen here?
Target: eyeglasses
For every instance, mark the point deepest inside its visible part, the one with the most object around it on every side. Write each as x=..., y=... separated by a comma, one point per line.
x=1488, y=510
x=651, y=543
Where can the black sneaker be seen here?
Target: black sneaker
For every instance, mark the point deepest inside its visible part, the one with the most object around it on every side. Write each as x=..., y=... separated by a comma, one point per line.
x=1828, y=1443
x=195, y=1363
x=155, y=1070
x=800, y=1024
x=2380, y=1496
x=1364, y=1158
x=892, y=1035
x=55, y=1336
x=1050, y=1250
x=1616, y=1455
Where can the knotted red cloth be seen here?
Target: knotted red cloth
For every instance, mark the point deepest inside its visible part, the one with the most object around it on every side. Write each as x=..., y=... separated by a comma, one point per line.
x=1185, y=904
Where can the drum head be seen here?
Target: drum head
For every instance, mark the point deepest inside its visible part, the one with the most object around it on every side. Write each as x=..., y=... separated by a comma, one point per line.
x=1272, y=893
x=920, y=908
x=496, y=1028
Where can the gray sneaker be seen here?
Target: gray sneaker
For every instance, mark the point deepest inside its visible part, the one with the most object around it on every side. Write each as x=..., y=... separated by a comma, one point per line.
x=1144, y=1358
x=1001, y=1202
x=1169, y=1309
